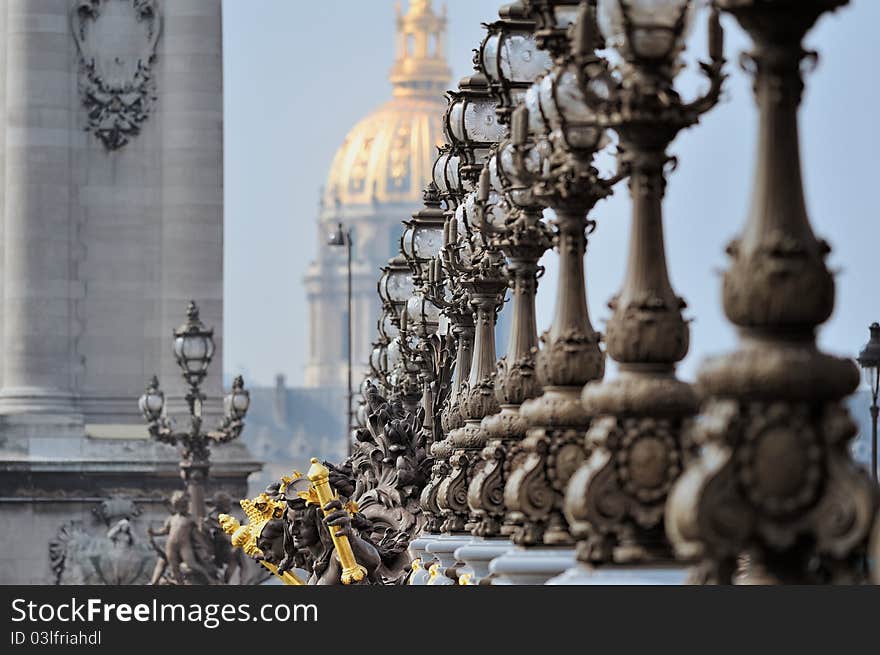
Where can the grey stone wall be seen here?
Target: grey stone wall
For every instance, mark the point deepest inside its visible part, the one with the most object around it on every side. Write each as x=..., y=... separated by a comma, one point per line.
x=100, y=250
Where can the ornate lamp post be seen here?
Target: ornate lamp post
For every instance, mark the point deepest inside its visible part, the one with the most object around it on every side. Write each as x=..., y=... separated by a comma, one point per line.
x=558, y=135
x=473, y=128
x=774, y=485
x=342, y=237
x=615, y=501
x=509, y=218
x=396, y=287
x=446, y=292
x=421, y=244
x=869, y=360
x=386, y=331
x=194, y=348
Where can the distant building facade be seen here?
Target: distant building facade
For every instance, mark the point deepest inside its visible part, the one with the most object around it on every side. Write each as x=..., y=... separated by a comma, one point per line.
x=376, y=181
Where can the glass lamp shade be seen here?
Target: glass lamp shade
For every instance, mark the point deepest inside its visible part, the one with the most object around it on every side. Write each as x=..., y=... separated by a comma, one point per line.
x=471, y=119
x=537, y=123
x=152, y=403
x=237, y=401
x=495, y=206
x=194, y=350
x=563, y=105
x=445, y=173
x=511, y=59
x=423, y=238
x=393, y=354
x=872, y=378
x=396, y=283
x=400, y=286
x=428, y=241
x=406, y=246
x=519, y=189
x=423, y=316
x=646, y=29
x=389, y=329
x=379, y=359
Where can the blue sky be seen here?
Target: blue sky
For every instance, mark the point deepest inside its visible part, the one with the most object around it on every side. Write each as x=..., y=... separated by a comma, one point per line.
x=299, y=75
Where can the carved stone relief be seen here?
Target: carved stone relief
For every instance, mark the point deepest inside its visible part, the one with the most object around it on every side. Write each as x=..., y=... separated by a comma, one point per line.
x=116, y=40
x=106, y=551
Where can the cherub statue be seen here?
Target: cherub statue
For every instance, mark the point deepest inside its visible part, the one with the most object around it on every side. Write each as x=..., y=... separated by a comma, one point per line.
x=233, y=560
x=183, y=559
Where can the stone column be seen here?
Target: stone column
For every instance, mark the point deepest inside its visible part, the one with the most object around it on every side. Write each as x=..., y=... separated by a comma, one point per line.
x=190, y=107
x=37, y=289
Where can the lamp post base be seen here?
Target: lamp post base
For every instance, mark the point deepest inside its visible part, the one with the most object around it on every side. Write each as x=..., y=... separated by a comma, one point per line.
x=479, y=553
x=531, y=566
x=443, y=548
x=631, y=574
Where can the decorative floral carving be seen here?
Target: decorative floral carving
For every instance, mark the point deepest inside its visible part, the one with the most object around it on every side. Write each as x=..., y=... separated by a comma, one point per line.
x=770, y=475
x=534, y=491
x=615, y=501
x=452, y=494
x=570, y=359
x=486, y=491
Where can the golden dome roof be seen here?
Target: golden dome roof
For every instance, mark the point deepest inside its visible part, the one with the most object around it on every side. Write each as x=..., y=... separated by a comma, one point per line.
x=387, y=157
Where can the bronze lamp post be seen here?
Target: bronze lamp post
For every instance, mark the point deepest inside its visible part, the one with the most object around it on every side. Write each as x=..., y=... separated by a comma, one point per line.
x=615, y=501
x=869, y=360
x=194, y=349
x=774, y=496
x=338, y=239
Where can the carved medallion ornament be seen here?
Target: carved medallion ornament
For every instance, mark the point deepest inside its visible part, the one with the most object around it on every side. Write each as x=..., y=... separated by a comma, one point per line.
x=117, y=41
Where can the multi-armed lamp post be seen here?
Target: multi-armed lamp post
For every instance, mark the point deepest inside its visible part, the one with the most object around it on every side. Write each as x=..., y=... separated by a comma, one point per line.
x=194, y=349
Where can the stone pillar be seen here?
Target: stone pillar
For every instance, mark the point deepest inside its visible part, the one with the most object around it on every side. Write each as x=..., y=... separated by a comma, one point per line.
x=190, y=109
x=37, y=286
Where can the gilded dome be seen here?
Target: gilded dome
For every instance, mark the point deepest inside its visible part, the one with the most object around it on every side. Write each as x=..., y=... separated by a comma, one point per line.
x=387, y=157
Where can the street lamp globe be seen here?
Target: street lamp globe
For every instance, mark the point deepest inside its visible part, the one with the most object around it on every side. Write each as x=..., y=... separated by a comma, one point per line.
x=152, y=402
x=193, y=346
x=237, y=401
x=423, y=316
x=471, y=122
x=396, y=285
x=510, y=57
x=393, y=354
x=379, y=359
x=561, y=103
x=646, y=29
x=338, y=237
x=445, y=175
x=423, y=238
